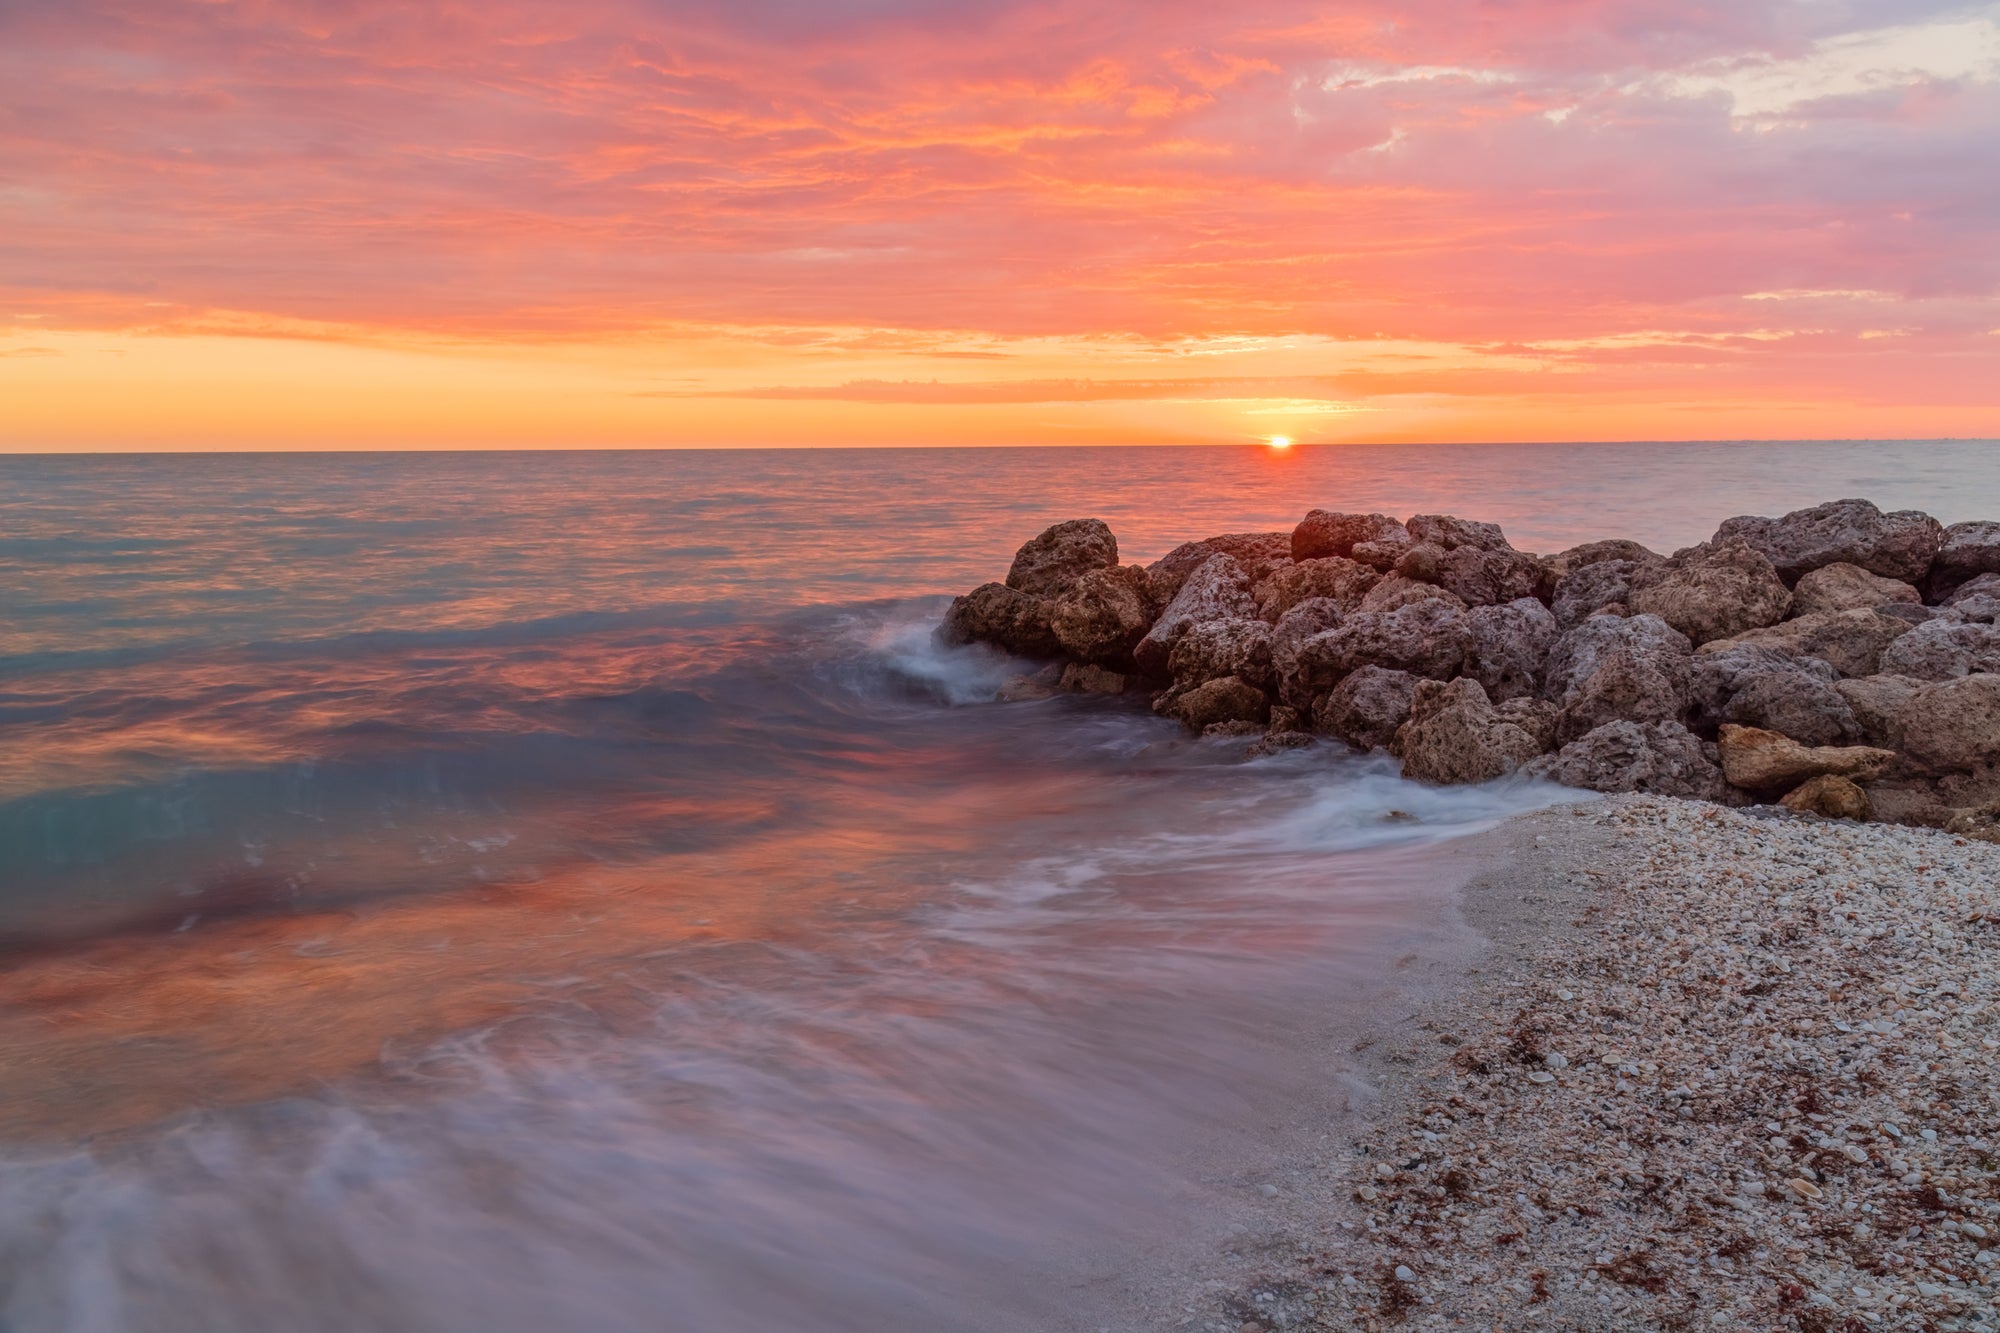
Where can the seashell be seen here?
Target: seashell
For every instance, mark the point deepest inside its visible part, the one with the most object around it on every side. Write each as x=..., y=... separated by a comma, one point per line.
x=1556, y=1060
x=1541, y=1076
x=1805, y=1189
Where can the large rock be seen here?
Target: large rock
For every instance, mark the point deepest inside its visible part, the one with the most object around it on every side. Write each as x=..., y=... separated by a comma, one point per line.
x=1579, y=653
x=1395, y=592
x=1367, y=708
x=1944, y=649
x=1004, y=617
x=1323, y=533
x=1507, y=647
x=1968, y=550
x=1901, y=545
x=1954, y=725
x=1845, y=587
x=1425, y=639
x=1383, y=554
x=1313, y=616
x=1337, y=577
x=1877, y=703
x=1259, y=554
x=1807, y=708
x=1454, y=735
x=1083, y=678
x=1713, y=592
x=1213, y=649
x=1597, y=553
x=1101, y=619
x=1218, y=590
x=1981, y=586
x=1448, y=533
x=1230, y=699
x=1484, y=577
x=1591, y=588
x=1051, y=564
x=1759, y=760
x=1725, y=669
x=1829, y=797
x=1851, y=642
x=1659, y=757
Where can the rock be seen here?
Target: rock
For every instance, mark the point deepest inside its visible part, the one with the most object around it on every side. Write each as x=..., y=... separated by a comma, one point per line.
x=1851, y=642
x=1984, y=585
x=1807, y=708
x=1425, y=639
x=1233, y=729
x=1613, y=668
x=1004, y=617
x=1277, y=741
x=1042, y=684
x=1381, y=554
x=1982, y=825
x=1395, y=592
x=1366, y=708
x=1082, y=678
x=1877, y=703
x=1488, y=578
x=1901, y=545
x=1050, y=565
x=1422, y=561
x=1103, y=616
x=1286, y=718
x=1845, y=587
x=1983, y=609
x=1716, y=592
x=1724, y=669
x=1212, y=649
x=1230, y=699
x=1343, y=580
x=1218, y=590
x=1313, y=616
x=1507, y=647
x=1587, y=590
x=1944, y=649
x=1910, y=613
x=1968, y=550
x=1829, y=796
x=1907, y=800
x=1323, y=533
x=1537, y=717
x=1455, y=736
x=1442, y=530
x=1953, y=725
x=1597, y=553
x=1260, y=554
x=1661, y=757
x=1759, y=760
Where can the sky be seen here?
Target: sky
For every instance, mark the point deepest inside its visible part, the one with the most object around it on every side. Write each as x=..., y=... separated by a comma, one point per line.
x=492, y=223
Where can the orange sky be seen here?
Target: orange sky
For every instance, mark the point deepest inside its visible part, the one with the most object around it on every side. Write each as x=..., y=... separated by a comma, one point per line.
x=358, y=223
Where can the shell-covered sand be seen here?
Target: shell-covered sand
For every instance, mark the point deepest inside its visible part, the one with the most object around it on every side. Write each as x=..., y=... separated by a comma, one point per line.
x=1716, y=1069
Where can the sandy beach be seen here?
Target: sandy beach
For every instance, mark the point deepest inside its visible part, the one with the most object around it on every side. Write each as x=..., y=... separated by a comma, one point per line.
x=1709, y=1069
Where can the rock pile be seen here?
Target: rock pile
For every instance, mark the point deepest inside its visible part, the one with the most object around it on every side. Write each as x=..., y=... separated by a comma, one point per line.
x=1839, y=659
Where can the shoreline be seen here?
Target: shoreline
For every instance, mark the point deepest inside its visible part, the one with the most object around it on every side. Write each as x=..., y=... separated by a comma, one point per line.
x=1620, y=1114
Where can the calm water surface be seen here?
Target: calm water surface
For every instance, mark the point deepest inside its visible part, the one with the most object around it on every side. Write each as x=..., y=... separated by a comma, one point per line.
x=447, y=892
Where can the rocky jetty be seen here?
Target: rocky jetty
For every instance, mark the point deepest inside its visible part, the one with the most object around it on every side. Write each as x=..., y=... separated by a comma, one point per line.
x=1839, y=660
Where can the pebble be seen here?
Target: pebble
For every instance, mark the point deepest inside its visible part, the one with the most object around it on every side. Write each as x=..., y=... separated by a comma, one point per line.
x=1403, y=1274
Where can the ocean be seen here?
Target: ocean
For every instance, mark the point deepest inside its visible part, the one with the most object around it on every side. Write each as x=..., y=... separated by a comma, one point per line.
x=515, y=891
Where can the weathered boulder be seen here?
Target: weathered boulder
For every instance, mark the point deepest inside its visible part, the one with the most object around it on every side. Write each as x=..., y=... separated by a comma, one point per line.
x=1659, y=757
x=1442, y=530
x=1218, y=590
x=1900, y=545
x=1230, y=699
x=1344, y=580
x=1323, y=533
x=1083, y=678
x=1425, y=639
x=1367, y=708
x=1759, y=760
x=1507, y=647
x=1953, y=725
x=1944, y=649
x=1851, y=642
x=1484, y=577
x=1980, y=605
x=1313, y=616
x=1808, y=709
x=1454, y=735
x=1713, y=592
x=1382, y=553
x=1259, y=554
x=1968, y=550
x=1537, y=717
x=1103, y=616
x=1590, y=588
x=1829, y=797
x=1597, y=553
x=1396, y=592
x=1877, y=703
x=1004, y=617
x=1981, y=586
x=1212, y=649
x=1775, y=680
x=1845, y=587
x=1030, y=686
x=1582, y=650
x=1050, y=565
x=1422, y=561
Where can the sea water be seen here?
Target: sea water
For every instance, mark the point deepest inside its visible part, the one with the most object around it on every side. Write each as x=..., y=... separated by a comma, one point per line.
x=573, y=890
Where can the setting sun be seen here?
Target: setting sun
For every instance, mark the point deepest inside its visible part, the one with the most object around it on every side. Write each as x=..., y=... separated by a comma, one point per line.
x=1281, y=441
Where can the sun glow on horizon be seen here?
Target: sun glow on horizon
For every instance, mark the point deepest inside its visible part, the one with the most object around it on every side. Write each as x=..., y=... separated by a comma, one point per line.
x=1281, y=442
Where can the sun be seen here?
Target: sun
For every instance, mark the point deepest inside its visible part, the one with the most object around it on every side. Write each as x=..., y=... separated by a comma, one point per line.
x=1281, y=441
